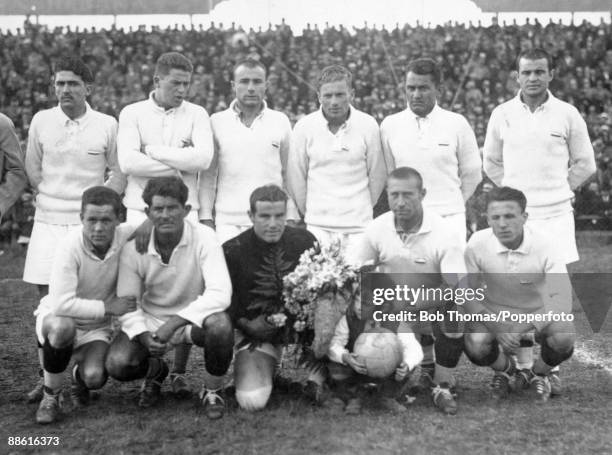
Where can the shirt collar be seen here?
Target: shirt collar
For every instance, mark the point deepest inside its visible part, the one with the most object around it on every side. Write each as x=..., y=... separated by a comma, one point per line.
x=89, y=249
x=523, y=248
x=426, y=224
x=159, y=108
x=544, y=105
x=236, y=109
x=345, y=125
x=185, y=239
x=67, y=120
x=429, y=116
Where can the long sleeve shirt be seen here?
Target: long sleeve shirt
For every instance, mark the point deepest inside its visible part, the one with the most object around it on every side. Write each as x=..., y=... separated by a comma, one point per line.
x=443, y=148
x=529, y=279
x=193, y=285
x=64, y=157
x=246, y=157
x=80, y=281
x=154, y=142
x=12, y=171
x=546, y=153
x=335, y=179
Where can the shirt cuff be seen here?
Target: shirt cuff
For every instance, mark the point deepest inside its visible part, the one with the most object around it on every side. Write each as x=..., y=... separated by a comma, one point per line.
x=133, y=324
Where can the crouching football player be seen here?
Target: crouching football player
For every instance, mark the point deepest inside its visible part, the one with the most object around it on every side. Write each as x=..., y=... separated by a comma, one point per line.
x=523, y=277
x=248, y=255
x=73, y=320
x=348, y=371
x=183, y=287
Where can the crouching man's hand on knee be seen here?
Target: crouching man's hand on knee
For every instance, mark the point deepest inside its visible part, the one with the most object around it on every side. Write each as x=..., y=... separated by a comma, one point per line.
x=402, y=371
x=355, y=362
x=155, y=346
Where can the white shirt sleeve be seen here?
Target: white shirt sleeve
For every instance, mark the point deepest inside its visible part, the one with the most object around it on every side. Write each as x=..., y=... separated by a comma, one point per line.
x=377, y=169
x=582, y=156
x=218, y=291
x=63, y=285
x=493, y=148
x=297, y=168
x=193, y=158
x=34, y=153
x=337, y=346
x=386, y=146
x=468, y=157
x=130, y=283
x=116, y=179
x=131, y=159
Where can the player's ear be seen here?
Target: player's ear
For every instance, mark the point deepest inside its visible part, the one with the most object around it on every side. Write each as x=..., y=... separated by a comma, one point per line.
x=552, y=74
x=251, y=216
x=88, y=89
x=187, y=209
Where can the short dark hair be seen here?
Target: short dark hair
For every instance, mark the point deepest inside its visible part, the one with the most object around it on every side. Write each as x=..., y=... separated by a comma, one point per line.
x=77, y=66
x=535, y=53
x=267, y=193
x=166, y=187
x=405, y=173
x=505, y=193
x=334, y=73
x=251, y=63
x=101, y=195
x=170, y=61
x=425, y=67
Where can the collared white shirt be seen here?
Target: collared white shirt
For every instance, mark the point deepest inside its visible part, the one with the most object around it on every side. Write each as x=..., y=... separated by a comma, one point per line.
x=193, y=284
x=64, y=157
x=431, y=255
x=157, y=142
x=442, y=147
x=335, y=179
x=80, y=281
x=530, y=278
x=246, y=157
x=545, y=154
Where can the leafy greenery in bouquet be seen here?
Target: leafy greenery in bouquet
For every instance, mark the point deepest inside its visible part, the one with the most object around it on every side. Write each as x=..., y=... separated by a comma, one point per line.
x=316, y=295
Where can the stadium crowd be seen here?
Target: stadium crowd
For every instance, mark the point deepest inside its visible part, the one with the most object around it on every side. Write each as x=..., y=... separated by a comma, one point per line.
x=476, y=62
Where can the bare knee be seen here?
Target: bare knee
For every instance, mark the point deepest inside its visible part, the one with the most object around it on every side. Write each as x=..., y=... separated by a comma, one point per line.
x=60, y=331
x=94, y=376
x=218, y=325
x=561, y=342
x=478, y=347
x=122, y=361
x=254, y=399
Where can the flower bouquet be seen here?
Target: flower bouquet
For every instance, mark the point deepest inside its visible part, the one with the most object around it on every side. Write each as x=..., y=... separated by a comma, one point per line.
x=316, y=295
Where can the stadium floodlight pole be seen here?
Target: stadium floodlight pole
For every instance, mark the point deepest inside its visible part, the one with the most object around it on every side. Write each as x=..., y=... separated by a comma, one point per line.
x=389, y=60
x=467, y=69
x=285, y=67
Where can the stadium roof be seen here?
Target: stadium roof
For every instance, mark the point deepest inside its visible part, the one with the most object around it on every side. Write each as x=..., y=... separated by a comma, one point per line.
x=531, y=6
x=92, y=7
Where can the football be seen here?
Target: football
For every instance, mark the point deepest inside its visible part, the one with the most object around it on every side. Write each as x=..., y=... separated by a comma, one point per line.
x=381, y=350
